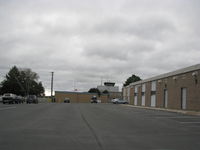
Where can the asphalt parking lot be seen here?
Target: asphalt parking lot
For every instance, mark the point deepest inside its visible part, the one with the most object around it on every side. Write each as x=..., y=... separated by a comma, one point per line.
x=95, y=127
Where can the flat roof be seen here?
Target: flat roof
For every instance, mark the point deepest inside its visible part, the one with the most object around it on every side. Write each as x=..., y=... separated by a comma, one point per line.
x=72, y=92
x=169, y=74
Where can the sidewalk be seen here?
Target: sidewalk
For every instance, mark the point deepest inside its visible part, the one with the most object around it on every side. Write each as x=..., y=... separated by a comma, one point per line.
x=187, y=112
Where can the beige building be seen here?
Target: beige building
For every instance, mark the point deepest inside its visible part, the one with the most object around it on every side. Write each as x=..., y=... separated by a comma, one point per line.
x=179, y=89
x=79, y=97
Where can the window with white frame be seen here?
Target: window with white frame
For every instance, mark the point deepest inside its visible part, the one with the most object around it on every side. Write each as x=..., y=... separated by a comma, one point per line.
x=153, y=86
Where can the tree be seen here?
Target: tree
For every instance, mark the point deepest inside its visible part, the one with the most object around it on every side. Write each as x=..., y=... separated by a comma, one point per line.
x=105, y=92
x=10, y=84
x=132, y=79
x=94, y=90
x=22, y=82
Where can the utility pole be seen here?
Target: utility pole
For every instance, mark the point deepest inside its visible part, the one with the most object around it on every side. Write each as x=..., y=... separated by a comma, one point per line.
x=52, y=86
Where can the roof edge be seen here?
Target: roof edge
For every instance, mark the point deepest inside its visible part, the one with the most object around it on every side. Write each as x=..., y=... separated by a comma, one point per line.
x=169, y=74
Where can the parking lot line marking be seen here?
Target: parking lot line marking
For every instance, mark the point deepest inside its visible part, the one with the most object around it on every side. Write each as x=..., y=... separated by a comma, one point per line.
x=189, y=122
x=7, y=108
x=179, y=117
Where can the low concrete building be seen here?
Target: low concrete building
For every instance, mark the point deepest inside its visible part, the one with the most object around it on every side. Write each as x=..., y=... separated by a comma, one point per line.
x=179, y=89
x=78, y=97
x=113, y=91
x=108, y=86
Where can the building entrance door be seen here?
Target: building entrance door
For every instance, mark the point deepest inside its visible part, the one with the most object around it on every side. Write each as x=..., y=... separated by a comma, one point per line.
x=153, y=100
x=143, y=100
x=183, y=98
x=135, y=100
x=165, y=98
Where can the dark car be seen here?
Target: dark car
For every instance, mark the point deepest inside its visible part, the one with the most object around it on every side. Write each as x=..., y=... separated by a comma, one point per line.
x=32, y=99
x=94, y=99
x=19, y=100
x=66, y=100
x=120, y=101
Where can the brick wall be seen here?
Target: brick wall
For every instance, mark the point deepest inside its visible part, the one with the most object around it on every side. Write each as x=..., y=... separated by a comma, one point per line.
x=173, y=85
x=78, y=97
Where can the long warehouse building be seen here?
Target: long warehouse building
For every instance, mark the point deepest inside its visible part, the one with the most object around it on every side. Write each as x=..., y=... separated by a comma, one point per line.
x=179, y=89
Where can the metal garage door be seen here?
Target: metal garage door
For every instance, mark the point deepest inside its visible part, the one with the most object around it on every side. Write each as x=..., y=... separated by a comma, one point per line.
x=135, y=100
x=143, y=100
x=143, y=94
x=153, y=100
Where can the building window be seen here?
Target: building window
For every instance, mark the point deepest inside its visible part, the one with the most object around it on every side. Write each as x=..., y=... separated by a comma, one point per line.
x=153, y=86
x=153, y=92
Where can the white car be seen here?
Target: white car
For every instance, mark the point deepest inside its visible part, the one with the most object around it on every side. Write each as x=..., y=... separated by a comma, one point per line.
x=114, y=100
x=9, y=98
x=120, y=101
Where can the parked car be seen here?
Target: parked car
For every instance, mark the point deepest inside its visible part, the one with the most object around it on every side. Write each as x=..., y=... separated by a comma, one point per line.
x=114, y=100
x=120, y=101
x=32, y=99
x=9, y=98
x=19, y=100
x=98, y=101
x=66, y=100
x=94, y=99
x=1, y=99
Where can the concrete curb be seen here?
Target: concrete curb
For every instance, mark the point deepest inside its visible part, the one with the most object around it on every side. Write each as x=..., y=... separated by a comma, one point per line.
x=187, y=112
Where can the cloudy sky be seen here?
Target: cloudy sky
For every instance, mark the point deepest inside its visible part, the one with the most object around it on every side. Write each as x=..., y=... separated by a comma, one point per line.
x=86, y=41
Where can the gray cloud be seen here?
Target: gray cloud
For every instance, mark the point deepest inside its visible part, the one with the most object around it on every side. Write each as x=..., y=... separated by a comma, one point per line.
x=83, y=42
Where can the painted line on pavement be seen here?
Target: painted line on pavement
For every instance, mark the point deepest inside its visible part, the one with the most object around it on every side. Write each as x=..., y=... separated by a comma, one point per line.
x=180, y=117
x=7, y=108
x=190, y=122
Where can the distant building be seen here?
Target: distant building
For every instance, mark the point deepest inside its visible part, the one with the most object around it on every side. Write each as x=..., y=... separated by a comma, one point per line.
x=113, y=91
x=109, y=86
x=85, y=97
x=79, y=97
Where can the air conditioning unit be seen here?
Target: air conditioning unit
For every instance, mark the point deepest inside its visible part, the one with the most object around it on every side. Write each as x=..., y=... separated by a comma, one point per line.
x=175, y=78
x=195, y=73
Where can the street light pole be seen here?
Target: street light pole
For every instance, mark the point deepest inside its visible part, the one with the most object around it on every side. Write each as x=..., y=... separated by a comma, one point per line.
x=52, y=86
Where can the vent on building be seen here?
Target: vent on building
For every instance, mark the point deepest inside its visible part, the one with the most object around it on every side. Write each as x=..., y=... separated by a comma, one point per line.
x=175, y=78
x=194, y=74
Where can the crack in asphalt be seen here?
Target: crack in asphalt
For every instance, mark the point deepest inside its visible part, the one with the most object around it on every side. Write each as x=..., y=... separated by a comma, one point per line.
x=92, y=130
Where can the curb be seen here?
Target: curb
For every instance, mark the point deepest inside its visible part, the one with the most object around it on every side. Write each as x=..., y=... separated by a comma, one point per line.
x=195, y=113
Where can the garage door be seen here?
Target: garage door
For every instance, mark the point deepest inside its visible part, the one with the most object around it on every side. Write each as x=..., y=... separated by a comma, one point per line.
x=183, y=98
x=153, y=100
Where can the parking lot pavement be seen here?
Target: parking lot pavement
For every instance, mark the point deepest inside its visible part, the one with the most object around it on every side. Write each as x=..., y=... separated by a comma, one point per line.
x=5, y=107
x=96, y=127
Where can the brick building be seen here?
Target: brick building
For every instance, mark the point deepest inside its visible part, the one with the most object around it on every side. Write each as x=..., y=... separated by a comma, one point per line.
x=179, y=89
x=78, y=97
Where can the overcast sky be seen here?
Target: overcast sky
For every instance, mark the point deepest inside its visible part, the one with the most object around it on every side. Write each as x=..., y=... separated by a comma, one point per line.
x=84, y=41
